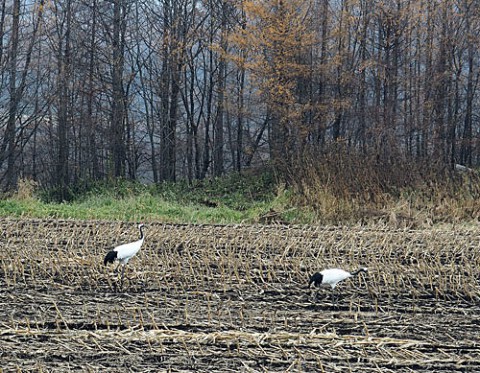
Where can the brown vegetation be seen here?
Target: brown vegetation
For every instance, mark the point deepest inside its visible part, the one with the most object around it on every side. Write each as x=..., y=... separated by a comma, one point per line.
x=342, y=186
x=230, y=298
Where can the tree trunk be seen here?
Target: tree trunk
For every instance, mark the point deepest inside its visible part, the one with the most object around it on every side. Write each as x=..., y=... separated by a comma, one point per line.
x=118, y=109
x=92, y=156
x=64, y=72
x=11, y=174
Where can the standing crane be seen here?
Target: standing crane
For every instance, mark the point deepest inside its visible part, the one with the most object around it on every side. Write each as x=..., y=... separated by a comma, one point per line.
x=125, y=252
x=332, y=276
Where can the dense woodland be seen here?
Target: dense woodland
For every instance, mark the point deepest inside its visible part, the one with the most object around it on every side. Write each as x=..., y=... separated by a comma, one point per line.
x=188, y=89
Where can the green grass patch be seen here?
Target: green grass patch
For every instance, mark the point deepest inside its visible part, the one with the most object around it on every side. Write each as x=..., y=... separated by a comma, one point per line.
x=229, y=200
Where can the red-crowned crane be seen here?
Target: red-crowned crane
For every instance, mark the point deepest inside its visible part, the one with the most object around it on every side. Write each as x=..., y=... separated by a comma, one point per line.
x=332, y=276
x=125, y=252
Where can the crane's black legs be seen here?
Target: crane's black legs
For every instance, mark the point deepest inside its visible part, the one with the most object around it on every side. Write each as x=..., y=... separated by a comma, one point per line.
x=121, y=278
x=121, y=275
x=314, y=297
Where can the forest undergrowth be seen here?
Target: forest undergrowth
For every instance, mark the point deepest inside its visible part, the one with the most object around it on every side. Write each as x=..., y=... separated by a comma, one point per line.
x=339, y=189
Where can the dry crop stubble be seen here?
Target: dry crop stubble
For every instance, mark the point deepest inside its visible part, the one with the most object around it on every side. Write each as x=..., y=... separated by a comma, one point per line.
x=224, y=298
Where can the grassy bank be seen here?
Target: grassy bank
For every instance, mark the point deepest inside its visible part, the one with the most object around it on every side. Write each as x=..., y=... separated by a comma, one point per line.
x=259, y=198
x=233, y=199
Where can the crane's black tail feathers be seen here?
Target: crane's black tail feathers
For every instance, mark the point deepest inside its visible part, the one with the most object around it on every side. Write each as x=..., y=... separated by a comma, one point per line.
x=315, y=279
x=110, y=258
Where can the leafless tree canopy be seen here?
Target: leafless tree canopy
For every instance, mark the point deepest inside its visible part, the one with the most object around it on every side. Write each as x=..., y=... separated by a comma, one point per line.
x=176, y=89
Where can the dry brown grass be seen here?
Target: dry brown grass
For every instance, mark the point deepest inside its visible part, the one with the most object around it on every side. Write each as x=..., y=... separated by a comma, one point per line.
x=344, y=187
x=25, y=190
x=230, y=298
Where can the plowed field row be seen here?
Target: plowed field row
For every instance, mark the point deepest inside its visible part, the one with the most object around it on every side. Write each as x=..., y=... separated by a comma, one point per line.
x=233, y=298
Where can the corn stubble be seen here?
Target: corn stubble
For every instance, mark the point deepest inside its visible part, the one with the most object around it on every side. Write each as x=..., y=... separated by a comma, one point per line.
x=229, y=298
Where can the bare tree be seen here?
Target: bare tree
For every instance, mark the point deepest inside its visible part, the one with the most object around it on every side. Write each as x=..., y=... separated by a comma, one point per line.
x=64, y=61
x=118, y=146
x=9, y=139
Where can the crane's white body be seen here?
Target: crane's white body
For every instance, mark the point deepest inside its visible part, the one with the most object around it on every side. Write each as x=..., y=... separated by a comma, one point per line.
x=127, y=251
x=333, y=276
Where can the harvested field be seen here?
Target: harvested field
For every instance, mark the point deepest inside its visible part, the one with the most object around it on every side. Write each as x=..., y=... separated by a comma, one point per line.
x=233, y=298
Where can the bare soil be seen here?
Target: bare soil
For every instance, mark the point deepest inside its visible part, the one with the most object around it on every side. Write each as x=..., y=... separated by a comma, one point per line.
x=233, y=298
